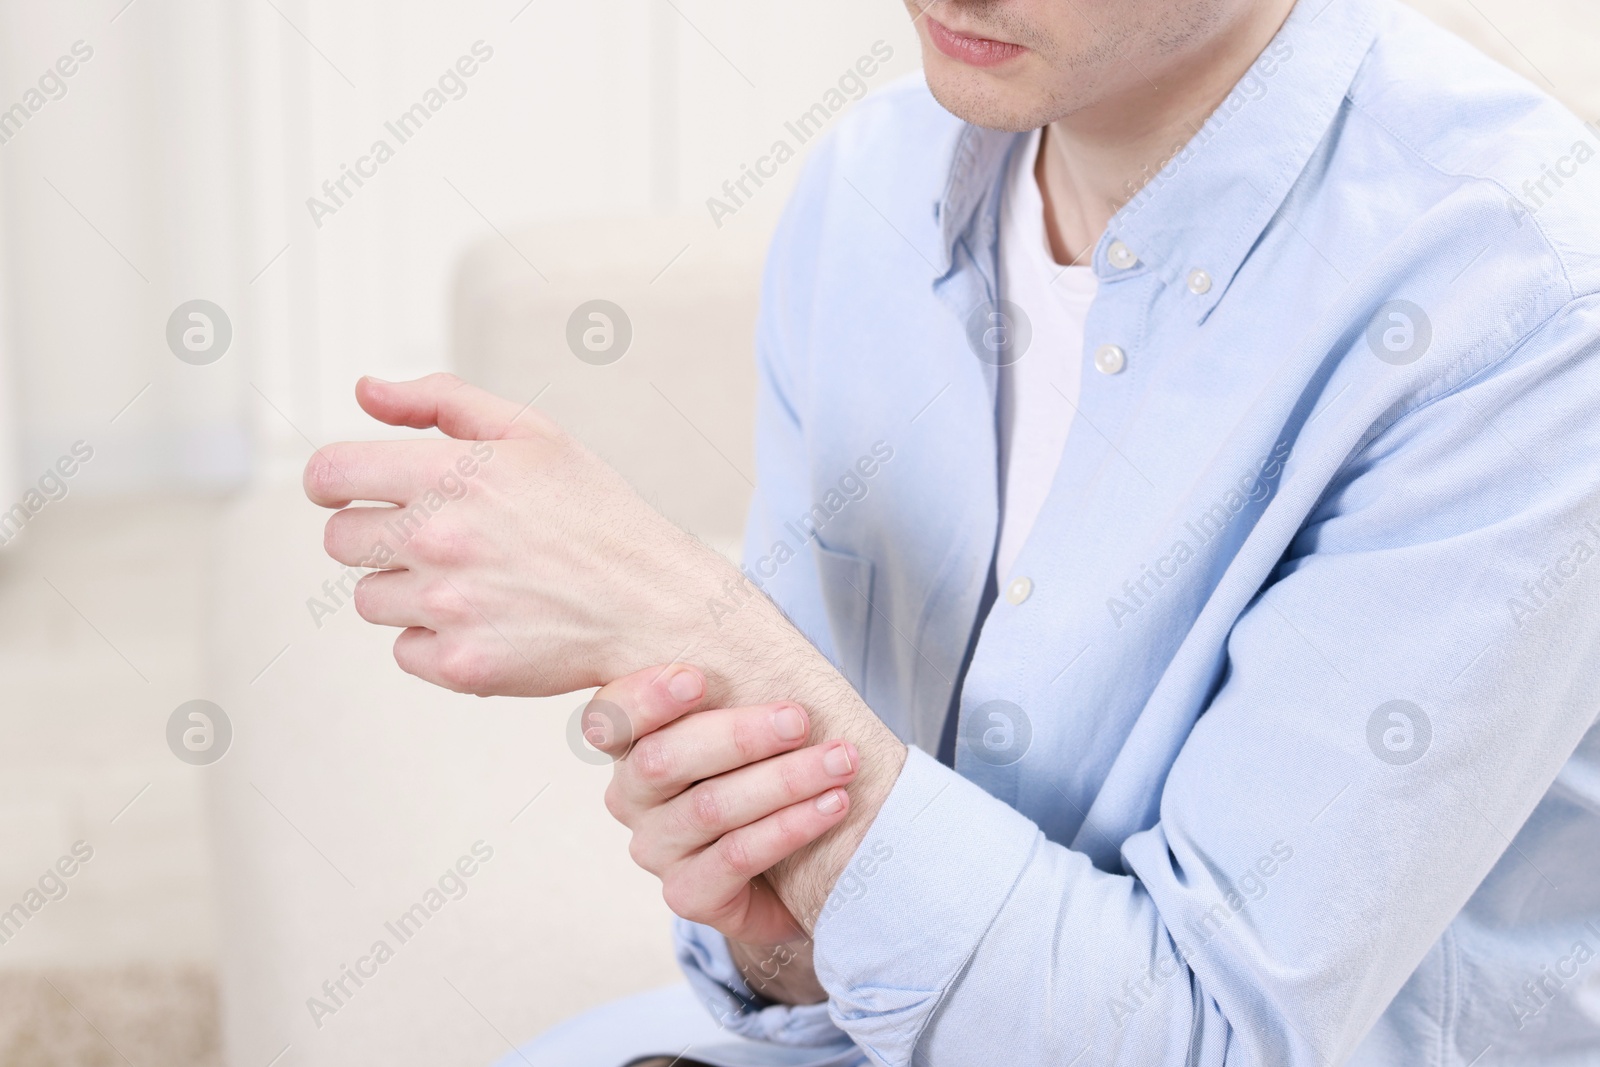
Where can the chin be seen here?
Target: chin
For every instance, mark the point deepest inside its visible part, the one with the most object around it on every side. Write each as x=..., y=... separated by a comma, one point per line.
x=1016, y=100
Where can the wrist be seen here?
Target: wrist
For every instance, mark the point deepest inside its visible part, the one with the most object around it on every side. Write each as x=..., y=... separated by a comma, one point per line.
x=671, y=619
x=752, y=654
x=774, y=661
x=782, y=974
x=805, y=880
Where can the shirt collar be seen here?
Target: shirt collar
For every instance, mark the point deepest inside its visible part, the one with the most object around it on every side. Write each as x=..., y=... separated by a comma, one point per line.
x=1211, y=202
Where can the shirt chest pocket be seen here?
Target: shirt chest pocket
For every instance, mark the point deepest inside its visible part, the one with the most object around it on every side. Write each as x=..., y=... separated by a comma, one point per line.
x=847, y=593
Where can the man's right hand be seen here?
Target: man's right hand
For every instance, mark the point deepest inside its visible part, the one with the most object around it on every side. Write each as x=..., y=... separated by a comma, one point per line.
x=716, y=798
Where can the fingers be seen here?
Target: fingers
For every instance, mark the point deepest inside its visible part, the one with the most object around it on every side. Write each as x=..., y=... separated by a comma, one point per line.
x=639, y=704
x=461, y=667
x=366, y=537
x=395, y=472
x=416, y=651
x=714, y=887
x=389, y=598
x=664, y=763
x=756, y=916
x=460, y=410
x=718, y=806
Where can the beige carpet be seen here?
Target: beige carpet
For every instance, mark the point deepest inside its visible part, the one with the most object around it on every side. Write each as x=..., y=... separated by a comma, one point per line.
x=109, y=1018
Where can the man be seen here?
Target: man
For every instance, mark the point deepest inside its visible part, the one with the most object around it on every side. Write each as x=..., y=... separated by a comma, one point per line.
x=1177, y=422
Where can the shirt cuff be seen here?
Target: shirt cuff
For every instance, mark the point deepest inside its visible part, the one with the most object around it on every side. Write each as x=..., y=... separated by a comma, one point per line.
x=911, y=906
x=703, y=955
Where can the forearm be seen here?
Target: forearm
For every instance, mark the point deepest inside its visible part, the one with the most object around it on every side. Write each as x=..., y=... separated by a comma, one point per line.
x=771, y=660
x=754, y=655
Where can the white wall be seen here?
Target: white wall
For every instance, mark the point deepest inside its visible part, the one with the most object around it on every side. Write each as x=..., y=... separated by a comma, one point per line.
x=194, y=136
x=191, y=140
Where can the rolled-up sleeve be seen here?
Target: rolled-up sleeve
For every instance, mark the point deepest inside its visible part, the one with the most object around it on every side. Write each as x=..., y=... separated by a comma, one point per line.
x=703, y=955
x=940, y=861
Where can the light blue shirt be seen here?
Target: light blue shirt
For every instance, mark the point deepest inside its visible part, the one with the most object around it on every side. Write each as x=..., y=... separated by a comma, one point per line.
x=1277, y=745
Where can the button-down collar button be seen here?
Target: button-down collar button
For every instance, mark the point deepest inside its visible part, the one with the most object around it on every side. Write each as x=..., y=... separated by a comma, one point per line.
x=1199, y=282
x=1109, y=359
x=1019, y=590
x=1120, y=255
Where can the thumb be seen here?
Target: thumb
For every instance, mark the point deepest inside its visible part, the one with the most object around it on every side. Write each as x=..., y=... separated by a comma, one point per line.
x=462, y=411
x=640, y=703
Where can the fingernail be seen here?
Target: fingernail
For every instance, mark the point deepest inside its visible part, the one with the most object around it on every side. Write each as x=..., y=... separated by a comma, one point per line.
x=836, y=761
x=380, y=381
x=686, y=685
x=830, y=802
x=789, y=723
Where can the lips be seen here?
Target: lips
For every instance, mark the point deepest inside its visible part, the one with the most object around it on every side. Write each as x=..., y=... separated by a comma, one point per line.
x=974, y=51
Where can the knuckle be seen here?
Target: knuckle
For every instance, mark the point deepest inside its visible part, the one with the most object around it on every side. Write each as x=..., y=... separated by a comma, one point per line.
x=735, y=853
x=705, y=809
x=792, y=780
x=363, y=598
x=749, y=738
x=616, y=730
x=639, y=851
x=681, y=898
x=616, y=807
x=332, y=533
x=439, y=541
x=651, y=760
x=794, y=832
x=464, y=669
x=323, y=477
x=442, y=603
x=411, y=656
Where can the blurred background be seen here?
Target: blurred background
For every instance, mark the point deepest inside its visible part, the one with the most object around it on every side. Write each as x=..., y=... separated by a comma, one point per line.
x=162, y=159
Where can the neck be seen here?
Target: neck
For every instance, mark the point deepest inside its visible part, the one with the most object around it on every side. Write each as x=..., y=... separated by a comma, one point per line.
x=1094, y=160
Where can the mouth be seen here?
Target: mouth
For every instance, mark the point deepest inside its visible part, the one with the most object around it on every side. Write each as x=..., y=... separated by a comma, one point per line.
x=973, y=51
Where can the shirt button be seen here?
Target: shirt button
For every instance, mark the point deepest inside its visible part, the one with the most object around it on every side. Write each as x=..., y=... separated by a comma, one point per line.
x=1199, y=282
x=1121, y=256
x=1109, y=359
x=1019, y=590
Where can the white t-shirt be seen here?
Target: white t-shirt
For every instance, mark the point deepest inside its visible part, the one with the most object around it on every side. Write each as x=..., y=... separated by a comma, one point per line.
x=1039, y=392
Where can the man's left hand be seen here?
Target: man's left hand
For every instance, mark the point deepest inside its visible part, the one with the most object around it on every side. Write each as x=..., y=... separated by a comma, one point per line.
x=518, y=563
x=514, y=559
